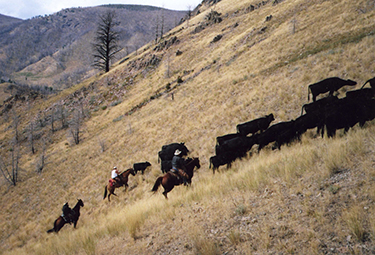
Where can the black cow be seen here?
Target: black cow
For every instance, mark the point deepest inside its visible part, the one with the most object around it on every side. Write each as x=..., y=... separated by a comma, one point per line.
x=330, y=84
x=286, y=136
x=347, y=113
x=352, y=112
x=254, y=126
x=141, y=166
x=167, y=151
x=361, y=94
x=319, y=106
x=238, y=145
x=166, y=165
x=225, y=158
x=272, y=134
x=372, y=83
x=308, y=121
x=221, y=139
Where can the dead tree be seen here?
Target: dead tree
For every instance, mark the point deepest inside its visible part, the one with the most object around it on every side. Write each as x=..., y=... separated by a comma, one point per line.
x=10, y=170
x=76, y=125
x=106, y=39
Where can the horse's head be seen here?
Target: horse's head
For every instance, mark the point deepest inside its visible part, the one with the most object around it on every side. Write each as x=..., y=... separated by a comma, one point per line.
x=197, y=164
x=80, y=202
x=132, y=171
x=78, y=205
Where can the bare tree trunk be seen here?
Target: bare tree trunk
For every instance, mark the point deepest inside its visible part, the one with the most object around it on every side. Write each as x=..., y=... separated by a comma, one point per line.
x=31, y=136
x=11, y=175
x=75, y=125
x=40, y=164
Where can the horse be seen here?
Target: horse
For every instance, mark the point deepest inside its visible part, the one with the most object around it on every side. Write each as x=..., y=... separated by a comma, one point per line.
x=169, y=180
x=60, y=221
x=111, y=186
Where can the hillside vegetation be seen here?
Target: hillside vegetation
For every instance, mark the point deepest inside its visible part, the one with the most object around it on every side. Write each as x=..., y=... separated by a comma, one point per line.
x=315, y=196
x=56, y=50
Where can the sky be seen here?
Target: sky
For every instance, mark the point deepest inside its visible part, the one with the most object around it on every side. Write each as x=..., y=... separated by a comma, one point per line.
x=25, y=9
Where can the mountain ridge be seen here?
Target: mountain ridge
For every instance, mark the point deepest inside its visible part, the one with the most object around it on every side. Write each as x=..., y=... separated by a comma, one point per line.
x=66, y=36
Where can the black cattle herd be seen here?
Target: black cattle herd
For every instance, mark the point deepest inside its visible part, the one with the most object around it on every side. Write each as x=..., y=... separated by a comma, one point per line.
x=328, y=113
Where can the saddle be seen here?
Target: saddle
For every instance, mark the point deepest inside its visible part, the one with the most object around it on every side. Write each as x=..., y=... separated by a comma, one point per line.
x=68, y=217
x=112, y=182
x=175, y=174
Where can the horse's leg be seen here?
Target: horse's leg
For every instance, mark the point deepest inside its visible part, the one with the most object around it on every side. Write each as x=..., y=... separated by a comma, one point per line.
x=165, y=194
x=167, y=188
x=105, y=192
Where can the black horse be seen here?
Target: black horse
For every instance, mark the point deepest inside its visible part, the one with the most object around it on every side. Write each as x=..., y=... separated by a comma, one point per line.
x=60, y=221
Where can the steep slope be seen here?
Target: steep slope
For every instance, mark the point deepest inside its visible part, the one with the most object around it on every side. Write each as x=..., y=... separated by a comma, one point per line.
x=235, y=62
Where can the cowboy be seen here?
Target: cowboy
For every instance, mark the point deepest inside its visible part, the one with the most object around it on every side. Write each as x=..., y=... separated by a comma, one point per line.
x=115, y=175
x=178, y=166
x=66, y=213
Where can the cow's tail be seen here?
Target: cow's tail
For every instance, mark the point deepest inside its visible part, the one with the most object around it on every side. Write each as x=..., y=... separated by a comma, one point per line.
x=105, y=192
x=157, y=184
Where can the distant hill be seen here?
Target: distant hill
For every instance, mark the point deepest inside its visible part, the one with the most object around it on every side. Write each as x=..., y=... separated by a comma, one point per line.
x=5, y=20
x=55, y=50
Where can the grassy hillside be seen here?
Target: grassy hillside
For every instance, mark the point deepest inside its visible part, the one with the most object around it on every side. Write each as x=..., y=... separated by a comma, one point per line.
x=312, y=197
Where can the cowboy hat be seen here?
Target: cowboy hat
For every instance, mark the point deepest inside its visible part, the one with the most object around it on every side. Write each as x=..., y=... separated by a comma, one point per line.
x=177, y=152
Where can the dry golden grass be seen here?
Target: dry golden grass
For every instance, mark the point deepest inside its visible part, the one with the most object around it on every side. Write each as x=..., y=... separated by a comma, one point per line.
x=307, y=198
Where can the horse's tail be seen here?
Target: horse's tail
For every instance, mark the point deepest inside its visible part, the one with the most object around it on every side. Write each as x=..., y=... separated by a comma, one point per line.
x=157, y=184
x=52, y=229
x=105, y=192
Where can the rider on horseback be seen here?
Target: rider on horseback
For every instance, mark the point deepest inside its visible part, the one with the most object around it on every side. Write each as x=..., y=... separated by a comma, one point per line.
x=115, y=176
x=67, y=213
x=178, y=166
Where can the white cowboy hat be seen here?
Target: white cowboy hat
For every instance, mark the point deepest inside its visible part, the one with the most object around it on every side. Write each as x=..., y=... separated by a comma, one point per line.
x=115, y=167
x=177, y=152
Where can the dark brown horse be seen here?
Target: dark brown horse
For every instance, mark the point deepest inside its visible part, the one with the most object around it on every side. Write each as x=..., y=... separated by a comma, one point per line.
x=169, y=180
x=60, y=221
x=112, y=185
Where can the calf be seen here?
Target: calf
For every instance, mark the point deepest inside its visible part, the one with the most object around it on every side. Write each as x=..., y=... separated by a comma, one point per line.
x=254, y=126
x=225, y=158
x=141, y=166
x=328, y=85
